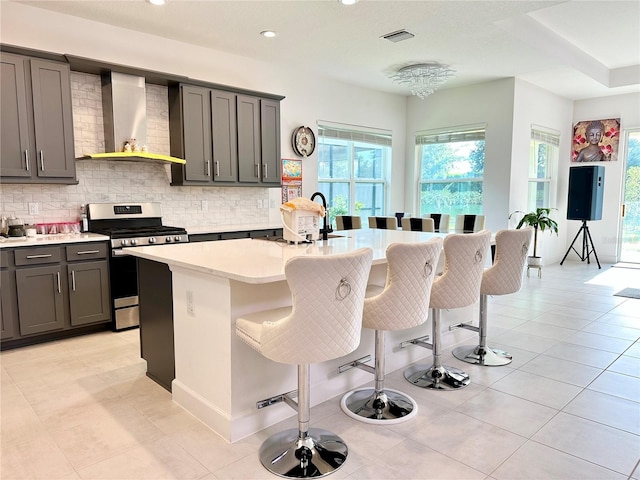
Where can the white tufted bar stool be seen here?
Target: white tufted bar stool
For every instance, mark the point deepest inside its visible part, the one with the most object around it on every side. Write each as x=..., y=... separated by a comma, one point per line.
x=323, y=323
x=502, y=278
x=459, y=286
x=402, y=303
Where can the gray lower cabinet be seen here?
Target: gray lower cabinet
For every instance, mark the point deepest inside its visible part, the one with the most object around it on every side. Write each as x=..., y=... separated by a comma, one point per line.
x=40, y=299
x=54, y=291
x=37, y=123
x=8, y=305
x=89, y=293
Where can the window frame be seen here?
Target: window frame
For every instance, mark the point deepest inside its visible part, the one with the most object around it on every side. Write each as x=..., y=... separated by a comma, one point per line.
x=450, y=135
x=551, y=138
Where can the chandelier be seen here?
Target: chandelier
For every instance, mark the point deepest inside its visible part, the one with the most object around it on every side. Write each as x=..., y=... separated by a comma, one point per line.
x=423, y=78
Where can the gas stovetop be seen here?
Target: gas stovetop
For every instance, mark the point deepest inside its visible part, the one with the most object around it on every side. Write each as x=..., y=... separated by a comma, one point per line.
x=131, y=225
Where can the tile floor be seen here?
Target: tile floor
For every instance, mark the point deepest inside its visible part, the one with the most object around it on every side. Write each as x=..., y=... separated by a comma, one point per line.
x=568, y=407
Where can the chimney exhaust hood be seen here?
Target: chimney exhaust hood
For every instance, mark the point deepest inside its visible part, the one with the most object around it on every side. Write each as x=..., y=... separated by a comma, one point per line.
x=124, y=108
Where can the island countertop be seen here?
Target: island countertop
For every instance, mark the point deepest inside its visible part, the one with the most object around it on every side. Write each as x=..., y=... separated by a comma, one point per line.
x=262, y=261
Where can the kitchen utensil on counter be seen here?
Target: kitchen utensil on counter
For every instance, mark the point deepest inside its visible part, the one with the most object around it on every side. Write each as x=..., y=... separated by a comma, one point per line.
x=16, y=227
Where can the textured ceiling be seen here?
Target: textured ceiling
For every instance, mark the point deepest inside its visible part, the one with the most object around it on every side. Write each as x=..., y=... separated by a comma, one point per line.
x=576, y=49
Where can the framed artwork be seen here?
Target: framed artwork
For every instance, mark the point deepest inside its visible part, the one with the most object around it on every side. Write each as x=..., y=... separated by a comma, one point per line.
x=291, y=170
x=291, y=179
x=596, y=141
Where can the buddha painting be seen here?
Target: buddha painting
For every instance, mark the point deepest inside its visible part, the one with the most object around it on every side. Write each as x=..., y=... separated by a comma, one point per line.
x=595, y=141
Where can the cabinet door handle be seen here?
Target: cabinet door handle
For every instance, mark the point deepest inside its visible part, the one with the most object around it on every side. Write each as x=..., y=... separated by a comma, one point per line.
x=265, y=172
x=257, y=170
x=59, y=289
x=87, y=252
x=26, y=159
x=73, y=280
x=208, y=168
x=217, y=168
x=41, y=160
x=39, y=256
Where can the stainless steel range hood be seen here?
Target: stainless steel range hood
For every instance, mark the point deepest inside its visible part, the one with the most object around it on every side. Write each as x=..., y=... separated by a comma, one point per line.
x=124, y=107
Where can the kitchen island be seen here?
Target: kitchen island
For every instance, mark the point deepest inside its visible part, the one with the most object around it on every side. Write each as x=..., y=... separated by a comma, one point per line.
x=218, y=378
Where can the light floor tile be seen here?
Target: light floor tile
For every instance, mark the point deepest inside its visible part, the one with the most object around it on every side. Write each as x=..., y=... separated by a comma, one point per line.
x=626, y=365
x=584, y=355
x=601, y=444
x=480, y=445
x=606, y=409
x=617, y=384
x=535, y=388
x=83, y=408
x=526, y=464
x=562, y=370
x=593, y=340
x=511, y=413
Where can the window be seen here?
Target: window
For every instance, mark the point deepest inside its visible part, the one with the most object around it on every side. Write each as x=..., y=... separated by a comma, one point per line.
x=543, y=156
x=451, y=171
x=352, y=169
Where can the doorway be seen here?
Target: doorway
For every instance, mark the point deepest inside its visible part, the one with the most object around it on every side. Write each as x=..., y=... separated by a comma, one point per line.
x=630, y=238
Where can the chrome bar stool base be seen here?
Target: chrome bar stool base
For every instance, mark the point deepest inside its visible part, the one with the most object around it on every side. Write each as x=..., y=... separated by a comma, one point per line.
x=437, y=378
x=489, y=357
x=385, y=407
x=288, y=454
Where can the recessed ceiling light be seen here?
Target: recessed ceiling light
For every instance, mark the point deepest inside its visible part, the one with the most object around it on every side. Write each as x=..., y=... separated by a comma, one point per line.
x=268, y=33
x=348, y=2
x=157, y=2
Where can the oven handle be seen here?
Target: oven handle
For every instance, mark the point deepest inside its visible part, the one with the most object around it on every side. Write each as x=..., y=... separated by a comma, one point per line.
x=119, y=253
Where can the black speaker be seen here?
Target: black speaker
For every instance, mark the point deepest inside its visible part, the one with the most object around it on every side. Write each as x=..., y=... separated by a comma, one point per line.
x=586, y=187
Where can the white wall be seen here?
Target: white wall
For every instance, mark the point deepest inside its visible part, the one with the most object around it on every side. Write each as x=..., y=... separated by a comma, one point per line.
x=605, y=232
x=535, y=106
x=488, y=103
x=308, y=99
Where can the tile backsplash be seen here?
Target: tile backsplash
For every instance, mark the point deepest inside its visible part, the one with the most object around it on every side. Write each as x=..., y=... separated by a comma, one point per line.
x=130, y=182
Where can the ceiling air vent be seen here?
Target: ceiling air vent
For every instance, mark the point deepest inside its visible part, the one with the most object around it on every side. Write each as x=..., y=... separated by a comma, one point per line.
x=398, y=36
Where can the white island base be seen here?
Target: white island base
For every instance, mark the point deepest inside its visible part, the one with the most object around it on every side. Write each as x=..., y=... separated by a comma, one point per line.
x=218, y=378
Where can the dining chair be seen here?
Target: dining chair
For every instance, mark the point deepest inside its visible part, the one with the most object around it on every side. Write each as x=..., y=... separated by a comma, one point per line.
x=387, y=223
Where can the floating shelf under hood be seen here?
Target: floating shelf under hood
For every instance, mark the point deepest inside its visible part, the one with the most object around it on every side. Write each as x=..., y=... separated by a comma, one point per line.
x=133, y=156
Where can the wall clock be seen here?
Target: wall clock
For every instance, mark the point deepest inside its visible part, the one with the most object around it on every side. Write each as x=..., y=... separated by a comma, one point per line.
x=303, y=141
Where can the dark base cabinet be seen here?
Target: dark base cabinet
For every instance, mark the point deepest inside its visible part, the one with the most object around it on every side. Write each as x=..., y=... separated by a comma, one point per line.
x=156, y=321
x=51, y=292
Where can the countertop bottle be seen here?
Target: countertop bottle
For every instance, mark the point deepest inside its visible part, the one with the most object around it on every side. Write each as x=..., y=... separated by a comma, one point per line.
x=84, y=222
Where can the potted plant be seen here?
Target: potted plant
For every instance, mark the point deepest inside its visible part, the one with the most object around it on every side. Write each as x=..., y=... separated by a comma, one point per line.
x=539, y=219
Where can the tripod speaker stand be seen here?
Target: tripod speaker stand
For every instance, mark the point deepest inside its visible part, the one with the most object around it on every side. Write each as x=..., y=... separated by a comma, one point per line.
x=587, y=245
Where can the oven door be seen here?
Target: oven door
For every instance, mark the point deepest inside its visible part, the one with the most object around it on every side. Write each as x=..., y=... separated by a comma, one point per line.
x=124, y=290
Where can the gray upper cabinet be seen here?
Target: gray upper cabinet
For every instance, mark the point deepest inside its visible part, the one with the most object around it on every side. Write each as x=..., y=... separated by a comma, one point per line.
x=270, y=141
x=15, y=128
x=249, y=164
x=37, y=121
x=225, y=152
x=190, y=132
x=226, y=138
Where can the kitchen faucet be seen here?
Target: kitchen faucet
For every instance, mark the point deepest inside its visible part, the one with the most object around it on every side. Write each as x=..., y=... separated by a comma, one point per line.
x=326, y=229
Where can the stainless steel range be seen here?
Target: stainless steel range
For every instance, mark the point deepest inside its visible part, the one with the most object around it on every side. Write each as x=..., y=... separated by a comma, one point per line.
x=129, y=225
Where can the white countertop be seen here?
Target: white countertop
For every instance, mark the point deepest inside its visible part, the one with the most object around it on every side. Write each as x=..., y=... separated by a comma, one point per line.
x=41, y=240
x=262, y=261
x=244, y=227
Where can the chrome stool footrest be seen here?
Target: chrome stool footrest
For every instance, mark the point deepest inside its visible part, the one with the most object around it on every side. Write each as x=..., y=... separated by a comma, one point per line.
x=383, y=407
x=290, y=454
x=437, y=378
x=478, y=355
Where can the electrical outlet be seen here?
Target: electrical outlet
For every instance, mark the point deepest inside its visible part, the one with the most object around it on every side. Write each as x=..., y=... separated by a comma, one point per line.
x=204, y=204
x=33, y=209
x=191, y=310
